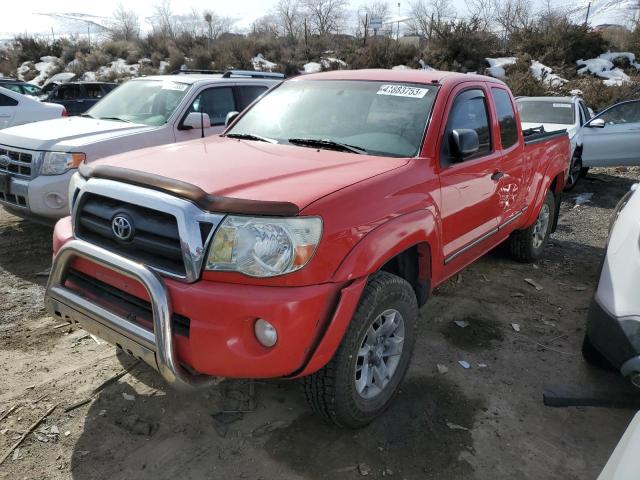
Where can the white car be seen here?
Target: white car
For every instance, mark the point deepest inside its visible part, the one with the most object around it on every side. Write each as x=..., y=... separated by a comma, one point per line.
x=613, y=324
x=37, y=161
x=18, y=109
x=624, y=463
x=557, y=113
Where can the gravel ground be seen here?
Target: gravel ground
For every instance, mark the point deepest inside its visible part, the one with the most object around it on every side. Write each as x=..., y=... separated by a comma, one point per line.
x=476, y=423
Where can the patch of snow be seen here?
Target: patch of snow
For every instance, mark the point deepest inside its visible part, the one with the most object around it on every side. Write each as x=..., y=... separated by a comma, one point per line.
x=401, y=67
x=497, y=66
x=163, y=66
x=545, y=74
x=312, y=67
x=89, y=77
x=43, y=67
x=329, y=62
x=118, y=67
x=261, y=64
x=603, y=67
x=608, y=12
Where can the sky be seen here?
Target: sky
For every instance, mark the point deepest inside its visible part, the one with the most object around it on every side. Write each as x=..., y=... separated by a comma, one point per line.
x=23, y=18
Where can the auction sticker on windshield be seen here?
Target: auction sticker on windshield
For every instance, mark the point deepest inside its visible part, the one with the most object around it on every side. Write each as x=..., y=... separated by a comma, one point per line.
x=181, y=87
x=402, y=91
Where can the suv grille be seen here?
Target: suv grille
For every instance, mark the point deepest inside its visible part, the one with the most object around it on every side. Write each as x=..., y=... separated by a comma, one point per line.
x=155, y=240
x=20, y=163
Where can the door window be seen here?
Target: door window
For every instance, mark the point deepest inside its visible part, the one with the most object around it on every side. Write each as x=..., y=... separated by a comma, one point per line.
x=506, y=117
x=469, y=111
x=628, y=112
x=93, y=90
x=248, y=93
x=68, y=92
x=585, y=112
x=215, y=102
x=6, y=101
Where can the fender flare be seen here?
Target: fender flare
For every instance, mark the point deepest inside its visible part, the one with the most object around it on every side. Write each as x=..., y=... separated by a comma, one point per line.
x=542, y=193
x=419, y=227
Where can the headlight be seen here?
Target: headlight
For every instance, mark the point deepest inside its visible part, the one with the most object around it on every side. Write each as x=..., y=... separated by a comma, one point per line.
x=264, y=247
x=75, y=184
x=57, y=163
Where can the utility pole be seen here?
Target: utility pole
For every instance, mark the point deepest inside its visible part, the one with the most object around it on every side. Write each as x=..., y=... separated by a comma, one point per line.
x=398, y=31
x=586, y=20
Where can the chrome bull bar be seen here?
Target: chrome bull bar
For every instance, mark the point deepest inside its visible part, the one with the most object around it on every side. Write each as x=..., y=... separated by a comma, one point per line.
x=156, y=348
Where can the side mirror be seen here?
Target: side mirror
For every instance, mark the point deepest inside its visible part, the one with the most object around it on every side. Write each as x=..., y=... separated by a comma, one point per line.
x=597, y=123
x=196, y=120
x=231, y=116
x=464, y=142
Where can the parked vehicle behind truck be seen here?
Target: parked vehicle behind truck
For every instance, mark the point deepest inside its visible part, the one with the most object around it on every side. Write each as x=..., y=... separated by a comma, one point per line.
x=302, y=242
x=141, y=113
x=553, y=114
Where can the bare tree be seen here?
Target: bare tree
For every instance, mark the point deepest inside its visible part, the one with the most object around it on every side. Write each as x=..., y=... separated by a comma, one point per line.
x=513, y=15
x=325, y=16
x=217, y=24
x=288, y=14
x=125, y=24
x=163, y=20
x=482, y=11
x=430, y=17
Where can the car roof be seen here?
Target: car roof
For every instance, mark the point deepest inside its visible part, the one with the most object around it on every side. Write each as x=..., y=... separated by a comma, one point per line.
x=192, y=78
x=547, y=99
x=409, y=76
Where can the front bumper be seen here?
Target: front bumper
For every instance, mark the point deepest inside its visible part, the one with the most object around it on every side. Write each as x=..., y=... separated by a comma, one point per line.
x=220, y=339
x=617, y=338
x=44, y=197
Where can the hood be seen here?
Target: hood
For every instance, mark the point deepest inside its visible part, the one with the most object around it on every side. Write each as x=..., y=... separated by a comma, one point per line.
x=256, y=170
x=551, y=127
x=67, y=133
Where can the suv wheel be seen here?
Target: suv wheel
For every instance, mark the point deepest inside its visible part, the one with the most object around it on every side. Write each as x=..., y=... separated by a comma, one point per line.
x=527, y=245
x=361, y=379
x=575, y=172
x=592, y=356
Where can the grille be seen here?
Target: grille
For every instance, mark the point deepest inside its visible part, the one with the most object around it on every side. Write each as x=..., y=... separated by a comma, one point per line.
x=17, y=200
x=20, y=163
x=122, y=303
x=155, y=241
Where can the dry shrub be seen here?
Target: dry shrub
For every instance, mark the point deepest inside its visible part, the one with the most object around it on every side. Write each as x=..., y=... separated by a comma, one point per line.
x=598, y=96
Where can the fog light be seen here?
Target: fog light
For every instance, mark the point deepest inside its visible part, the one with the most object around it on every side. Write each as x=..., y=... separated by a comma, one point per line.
x=265, y=333
x=54, y=200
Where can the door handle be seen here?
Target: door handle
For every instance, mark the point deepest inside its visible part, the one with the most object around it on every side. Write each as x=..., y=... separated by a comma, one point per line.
x=497, y=176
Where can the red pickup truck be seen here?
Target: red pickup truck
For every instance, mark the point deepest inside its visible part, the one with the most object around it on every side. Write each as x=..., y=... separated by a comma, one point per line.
x=303, y=240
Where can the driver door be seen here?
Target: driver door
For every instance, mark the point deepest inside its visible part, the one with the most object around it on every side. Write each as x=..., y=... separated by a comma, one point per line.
x=617, y=143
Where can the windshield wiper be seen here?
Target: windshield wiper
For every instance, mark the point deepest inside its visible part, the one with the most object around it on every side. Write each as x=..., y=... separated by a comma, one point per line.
x=118, y=119
x=86, y=115
x=329, y=144
x=251, y=136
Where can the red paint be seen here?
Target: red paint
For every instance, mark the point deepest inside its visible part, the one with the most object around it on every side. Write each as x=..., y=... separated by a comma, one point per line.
x=373, y=208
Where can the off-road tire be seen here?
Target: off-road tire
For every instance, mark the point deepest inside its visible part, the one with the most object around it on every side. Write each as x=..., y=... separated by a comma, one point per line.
x=584, y=171
x=593, y=357
x=521, y=242
x=331, y=392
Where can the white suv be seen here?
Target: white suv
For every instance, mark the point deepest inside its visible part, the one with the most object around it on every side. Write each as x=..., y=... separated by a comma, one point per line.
x=613, y=324
x=37, y=160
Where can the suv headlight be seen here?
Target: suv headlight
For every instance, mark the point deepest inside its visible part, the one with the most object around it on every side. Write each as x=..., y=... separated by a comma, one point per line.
x=264, y=247
x=75, y=184
x=57, y=163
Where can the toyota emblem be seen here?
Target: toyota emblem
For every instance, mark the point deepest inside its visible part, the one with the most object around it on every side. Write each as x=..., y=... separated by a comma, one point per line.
x=122, y=227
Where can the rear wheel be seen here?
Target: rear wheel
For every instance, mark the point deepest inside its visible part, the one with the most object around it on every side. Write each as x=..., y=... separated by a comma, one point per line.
x=360, y=381
x=575, y=172
x=527, y=245
x=584, y=171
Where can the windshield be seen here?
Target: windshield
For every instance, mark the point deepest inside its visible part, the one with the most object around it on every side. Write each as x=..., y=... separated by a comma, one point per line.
x=150, y=102
x=545, y=112
x=379, y=118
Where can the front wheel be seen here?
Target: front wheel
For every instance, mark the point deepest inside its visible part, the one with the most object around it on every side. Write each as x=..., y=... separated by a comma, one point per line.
x=360, y=381
x=527, y=245
x=575, y=172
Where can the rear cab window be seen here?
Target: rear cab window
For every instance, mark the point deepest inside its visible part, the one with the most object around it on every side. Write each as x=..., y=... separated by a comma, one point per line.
x=68, y=92
x=93, y=90
x=247, y=94
x=506, y=117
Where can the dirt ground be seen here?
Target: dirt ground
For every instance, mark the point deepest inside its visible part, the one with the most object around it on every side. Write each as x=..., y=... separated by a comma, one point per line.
x=477, y=423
